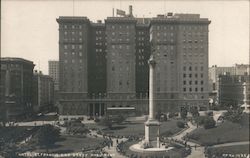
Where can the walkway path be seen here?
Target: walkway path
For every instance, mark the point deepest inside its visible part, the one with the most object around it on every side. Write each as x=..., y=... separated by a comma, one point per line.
x=112, y=149
x=197, y=150
x=231, y=144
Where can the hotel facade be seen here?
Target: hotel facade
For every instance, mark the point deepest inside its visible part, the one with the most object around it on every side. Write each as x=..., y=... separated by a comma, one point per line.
x=104, y=66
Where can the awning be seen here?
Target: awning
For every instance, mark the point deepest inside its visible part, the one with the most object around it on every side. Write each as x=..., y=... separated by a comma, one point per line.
x=121, y=108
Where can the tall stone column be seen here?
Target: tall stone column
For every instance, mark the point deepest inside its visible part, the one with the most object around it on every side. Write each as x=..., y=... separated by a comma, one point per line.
x=152, y=64
x=151, y=122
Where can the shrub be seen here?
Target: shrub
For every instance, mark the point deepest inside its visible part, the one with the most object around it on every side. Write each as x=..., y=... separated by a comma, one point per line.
x=209, y=123
x=206, y=121
x=97, y=120
x=171, y=115
x=180, y=124
x=167, y=133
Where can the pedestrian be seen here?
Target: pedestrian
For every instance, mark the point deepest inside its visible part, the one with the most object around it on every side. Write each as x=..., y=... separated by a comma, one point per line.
x=195, y=146
x=117, y=141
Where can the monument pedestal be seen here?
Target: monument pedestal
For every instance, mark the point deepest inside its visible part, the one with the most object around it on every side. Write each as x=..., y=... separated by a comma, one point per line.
x=149, y=141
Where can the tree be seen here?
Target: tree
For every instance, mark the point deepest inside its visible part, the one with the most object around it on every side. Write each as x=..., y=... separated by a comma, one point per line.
x=3, y=117
x=47, y=136
x=180, y=124
x=194, y=111
x=206, y=121
x=234, y=115
x=209, y=123
x=183, y=113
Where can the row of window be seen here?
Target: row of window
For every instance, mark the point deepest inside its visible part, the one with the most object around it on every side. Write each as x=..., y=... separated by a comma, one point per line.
x=121, y=26
x=195, y=82
x=73, y=33
x=73, y=46
x=73, y=61
x=73, y=53
x=72, y=26
x=190, y=68
x=190, y=89
x=164, y=27
x=191, y=75
x=72, y=39
x=120, y=46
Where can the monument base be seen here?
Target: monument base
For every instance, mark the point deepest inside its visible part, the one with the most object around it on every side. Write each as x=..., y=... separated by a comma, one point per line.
x=150, y=151
x=152, y=133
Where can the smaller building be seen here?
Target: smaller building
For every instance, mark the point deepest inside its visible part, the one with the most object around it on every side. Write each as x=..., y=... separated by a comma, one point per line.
x=16, y=88
x=54, y=73
x=43, y=92
x=231, y=89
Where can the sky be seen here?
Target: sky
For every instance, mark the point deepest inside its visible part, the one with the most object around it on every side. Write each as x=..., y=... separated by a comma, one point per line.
x=29, y=29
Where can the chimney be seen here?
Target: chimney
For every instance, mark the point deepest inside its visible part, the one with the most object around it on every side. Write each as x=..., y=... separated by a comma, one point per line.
x=130, y=10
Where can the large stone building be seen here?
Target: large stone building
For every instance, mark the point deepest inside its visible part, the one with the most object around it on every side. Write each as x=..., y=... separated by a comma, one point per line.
x=104, y=65
x=16, y=79
x=231, y=90
x=43, y=92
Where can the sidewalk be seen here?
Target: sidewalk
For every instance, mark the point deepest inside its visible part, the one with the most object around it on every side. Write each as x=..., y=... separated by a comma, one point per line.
x=196, y=152
x=112, y=149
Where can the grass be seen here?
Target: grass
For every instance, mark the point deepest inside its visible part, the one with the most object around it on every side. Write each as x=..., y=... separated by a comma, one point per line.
x=136, y=129
x=234, y=150
x=73, y=144
x=16, y=134
x=224, y=133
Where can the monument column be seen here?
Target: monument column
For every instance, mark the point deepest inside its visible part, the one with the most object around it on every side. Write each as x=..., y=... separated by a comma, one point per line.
x=152, y=64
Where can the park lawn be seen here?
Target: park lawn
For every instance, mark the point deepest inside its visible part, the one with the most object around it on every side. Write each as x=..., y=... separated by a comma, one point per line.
x=68, y=144
x=16, y=133
x=235, y=150
x=224, y=133
x=136, y=128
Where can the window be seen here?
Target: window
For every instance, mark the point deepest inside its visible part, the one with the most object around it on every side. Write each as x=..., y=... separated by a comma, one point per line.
x=196, y=89
x=184, y=82
x=65, y=47
x=201, y=68
x=196, y=75
x=201, y=75
x=190, y=82
x=184, y=89
x=190, y=68
x=201, y=89
x=190, y=75
x=196, y=82
x=184, y=75
x=190, y=89
x=201, y=82
x=73, y=46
